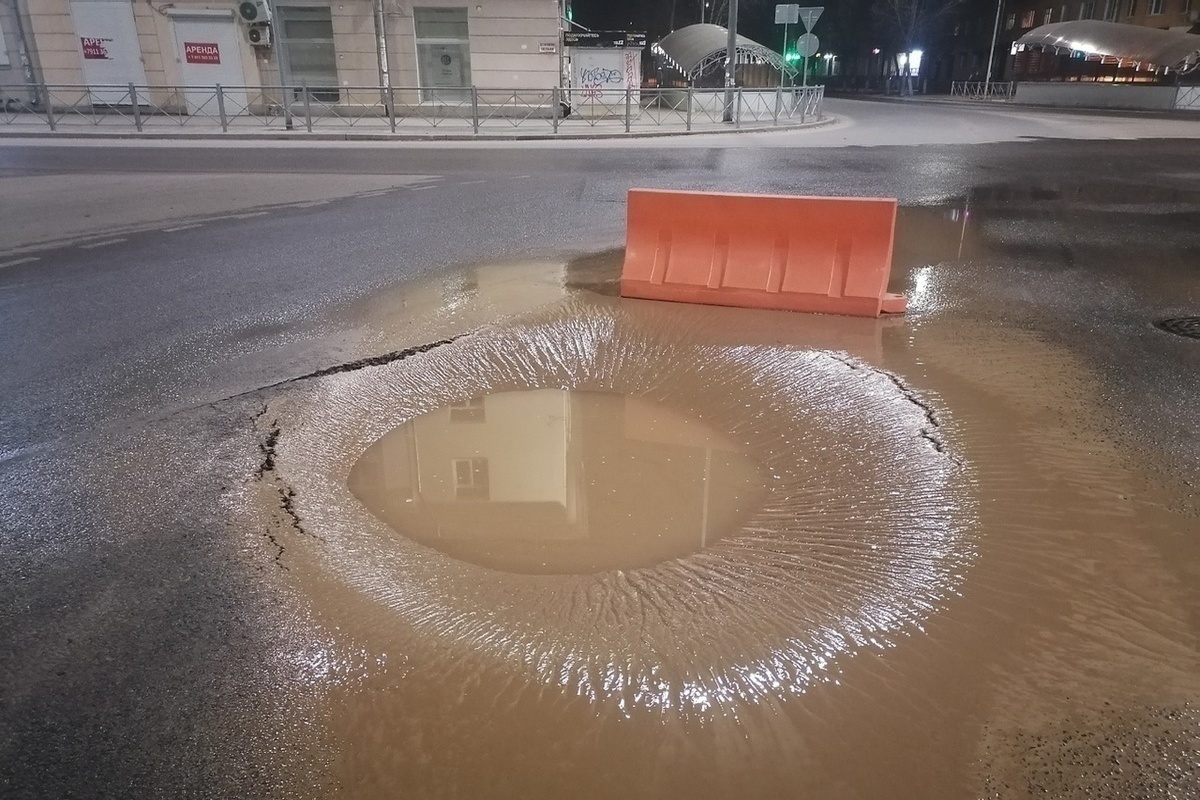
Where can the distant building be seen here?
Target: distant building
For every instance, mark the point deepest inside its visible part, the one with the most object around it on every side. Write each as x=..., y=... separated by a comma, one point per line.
x=1021, y=16
x=430, y=47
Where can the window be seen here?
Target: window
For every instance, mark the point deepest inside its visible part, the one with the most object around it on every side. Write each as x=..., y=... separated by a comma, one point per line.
x=1112, y=9
x=1062, y=15
x=1132, y=9
x=4, y=62
x=443, y=54
x=471, y=479
x=1048, y=16
x=1087, y=10
x=468, y=411
x=1028, y=19
x=309, y=57
x=1156, y=7
x=1012, y=21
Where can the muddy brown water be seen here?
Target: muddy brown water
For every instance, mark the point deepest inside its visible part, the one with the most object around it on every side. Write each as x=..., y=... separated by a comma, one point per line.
x=549, y=482
x=931, y=569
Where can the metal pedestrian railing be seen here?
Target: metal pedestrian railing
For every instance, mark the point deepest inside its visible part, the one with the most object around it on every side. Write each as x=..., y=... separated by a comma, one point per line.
x=468, y=110
x=982, y=90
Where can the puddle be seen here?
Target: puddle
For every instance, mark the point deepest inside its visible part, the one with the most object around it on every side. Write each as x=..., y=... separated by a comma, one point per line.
x=934, y=565
x=557, y=482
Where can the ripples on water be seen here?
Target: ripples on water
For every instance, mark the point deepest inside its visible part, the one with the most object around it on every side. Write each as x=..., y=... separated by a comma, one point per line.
x=860, y=530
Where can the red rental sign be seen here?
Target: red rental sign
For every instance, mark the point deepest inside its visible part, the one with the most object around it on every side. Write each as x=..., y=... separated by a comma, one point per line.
x=95, y=47
x=201, y=53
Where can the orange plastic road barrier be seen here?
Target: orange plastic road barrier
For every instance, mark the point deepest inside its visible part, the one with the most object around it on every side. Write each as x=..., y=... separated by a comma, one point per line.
x=828, y=255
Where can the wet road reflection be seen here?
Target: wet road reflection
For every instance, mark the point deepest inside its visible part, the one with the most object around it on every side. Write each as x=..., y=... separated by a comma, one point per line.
x=552, y=482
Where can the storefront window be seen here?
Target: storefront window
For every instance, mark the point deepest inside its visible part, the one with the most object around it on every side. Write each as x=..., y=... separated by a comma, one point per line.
x=443, y=54
x=309, y=57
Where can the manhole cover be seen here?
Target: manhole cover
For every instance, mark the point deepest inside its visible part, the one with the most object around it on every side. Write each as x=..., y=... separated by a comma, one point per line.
x=1181, y=326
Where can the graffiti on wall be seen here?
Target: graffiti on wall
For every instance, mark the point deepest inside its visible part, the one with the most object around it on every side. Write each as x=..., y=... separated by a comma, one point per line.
x=593, y=81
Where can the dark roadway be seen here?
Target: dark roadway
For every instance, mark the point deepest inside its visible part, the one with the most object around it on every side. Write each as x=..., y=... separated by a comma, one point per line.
x=123, y=606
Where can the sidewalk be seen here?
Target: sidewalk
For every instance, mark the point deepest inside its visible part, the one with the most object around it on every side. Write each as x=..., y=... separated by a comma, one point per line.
x=122, y=126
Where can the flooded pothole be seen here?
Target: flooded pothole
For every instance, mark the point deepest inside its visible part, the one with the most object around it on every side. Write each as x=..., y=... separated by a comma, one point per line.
x=550, y=481
x=616, y=500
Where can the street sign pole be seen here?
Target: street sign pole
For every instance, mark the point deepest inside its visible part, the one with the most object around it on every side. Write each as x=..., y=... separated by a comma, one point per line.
x=785, y=32
x=731, y=60
x=808, y=18
x=786, y=14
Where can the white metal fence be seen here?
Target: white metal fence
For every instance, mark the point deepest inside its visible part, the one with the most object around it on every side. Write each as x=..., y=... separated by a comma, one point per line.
x=1187, y=98
x=467, y=111
x=981, y=90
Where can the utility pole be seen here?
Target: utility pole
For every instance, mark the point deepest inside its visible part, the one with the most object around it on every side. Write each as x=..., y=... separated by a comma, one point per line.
x=992, y=51
x=731, y=60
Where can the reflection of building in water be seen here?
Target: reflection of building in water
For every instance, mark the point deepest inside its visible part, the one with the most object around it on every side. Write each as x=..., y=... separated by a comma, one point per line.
x=555, y=481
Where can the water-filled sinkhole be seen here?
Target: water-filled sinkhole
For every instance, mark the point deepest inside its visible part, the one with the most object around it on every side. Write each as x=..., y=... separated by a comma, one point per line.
x=549, y=481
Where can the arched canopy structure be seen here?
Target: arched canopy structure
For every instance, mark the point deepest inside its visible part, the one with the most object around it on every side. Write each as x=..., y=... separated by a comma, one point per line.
x=1172, y=49
x=695, y=49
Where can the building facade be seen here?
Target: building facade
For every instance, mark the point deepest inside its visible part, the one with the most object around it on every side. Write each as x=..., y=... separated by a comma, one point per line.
x=1034, y=64
x=427, y=48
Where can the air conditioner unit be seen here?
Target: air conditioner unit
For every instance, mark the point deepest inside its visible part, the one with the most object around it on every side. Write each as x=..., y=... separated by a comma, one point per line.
x=259, y=35
x=255, y=11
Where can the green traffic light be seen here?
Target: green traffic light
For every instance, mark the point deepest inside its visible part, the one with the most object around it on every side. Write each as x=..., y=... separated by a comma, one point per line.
x=791, y=57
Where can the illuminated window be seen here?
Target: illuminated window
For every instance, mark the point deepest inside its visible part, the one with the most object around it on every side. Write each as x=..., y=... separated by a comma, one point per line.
x=1012, y=21
x=1048, y=16
x=1028, y=19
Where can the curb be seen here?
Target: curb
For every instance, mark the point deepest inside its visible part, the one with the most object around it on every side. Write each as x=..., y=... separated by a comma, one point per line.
x=1010, y=104
x=350, y=136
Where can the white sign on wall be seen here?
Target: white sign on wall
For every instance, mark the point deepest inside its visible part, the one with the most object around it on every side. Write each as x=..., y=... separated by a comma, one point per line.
x=108, y=47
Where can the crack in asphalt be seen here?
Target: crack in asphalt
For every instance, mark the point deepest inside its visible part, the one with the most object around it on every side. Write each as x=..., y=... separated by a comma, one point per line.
x=372, y=361
x=928, y=433
x=268, y=443
x=266, y=447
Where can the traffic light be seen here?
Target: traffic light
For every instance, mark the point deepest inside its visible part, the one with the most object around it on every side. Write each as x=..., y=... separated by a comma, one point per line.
x=791, y=56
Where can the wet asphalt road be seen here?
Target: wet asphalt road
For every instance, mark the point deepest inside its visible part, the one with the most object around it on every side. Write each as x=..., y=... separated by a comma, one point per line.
x=131, y=649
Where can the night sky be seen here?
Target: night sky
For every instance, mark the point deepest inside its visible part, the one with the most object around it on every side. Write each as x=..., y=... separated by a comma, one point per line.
x=755, y=18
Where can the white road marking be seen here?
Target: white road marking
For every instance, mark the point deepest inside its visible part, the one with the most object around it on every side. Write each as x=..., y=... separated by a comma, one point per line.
x=421, y=188
x=16, y=261
x=105, y=243
x=469, y=183
x=247, y=216
x=182, y=228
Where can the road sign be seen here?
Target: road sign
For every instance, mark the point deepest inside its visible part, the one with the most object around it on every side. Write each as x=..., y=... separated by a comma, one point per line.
x=809, y=16
x=787, y=14
x=807, y=45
